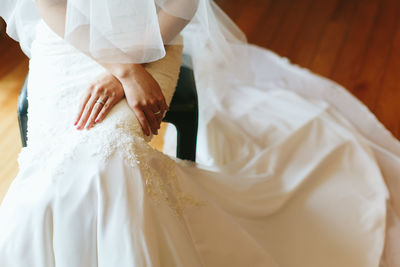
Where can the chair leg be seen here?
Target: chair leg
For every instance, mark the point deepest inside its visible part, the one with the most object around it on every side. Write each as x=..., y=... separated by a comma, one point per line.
x=23, y=112
x=22, y=121
x=187, y=138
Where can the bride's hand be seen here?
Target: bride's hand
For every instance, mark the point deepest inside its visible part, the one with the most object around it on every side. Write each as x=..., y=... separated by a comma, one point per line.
x=100, y=97
x=144, y=97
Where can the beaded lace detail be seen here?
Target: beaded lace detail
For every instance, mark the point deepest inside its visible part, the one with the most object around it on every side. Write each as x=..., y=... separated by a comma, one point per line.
x=113, y=135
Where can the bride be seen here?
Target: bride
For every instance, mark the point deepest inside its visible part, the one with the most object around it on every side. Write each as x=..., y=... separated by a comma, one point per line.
x=291, y=169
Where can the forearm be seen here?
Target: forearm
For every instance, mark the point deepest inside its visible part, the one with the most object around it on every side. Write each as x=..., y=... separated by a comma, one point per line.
x=170, y=26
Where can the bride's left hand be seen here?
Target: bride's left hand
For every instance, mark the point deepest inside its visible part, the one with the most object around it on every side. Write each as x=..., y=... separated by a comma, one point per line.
x=102, y=94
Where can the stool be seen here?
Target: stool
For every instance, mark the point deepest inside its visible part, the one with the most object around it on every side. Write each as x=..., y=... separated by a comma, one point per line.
x=182, y=113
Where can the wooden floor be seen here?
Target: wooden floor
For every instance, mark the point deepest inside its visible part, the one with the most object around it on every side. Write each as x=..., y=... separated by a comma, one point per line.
x=13, y=68
x=354, y=42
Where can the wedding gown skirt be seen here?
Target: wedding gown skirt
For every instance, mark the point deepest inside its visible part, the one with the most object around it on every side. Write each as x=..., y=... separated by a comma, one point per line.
x=307, y=191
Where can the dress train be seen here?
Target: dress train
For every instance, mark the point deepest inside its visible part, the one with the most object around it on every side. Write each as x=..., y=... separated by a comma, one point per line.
x=292, y=182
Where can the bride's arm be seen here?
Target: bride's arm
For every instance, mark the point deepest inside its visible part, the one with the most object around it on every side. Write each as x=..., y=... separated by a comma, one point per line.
x=142, y=92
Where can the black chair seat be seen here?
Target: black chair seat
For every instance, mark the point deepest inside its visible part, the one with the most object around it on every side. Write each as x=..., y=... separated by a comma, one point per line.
x=182, y=113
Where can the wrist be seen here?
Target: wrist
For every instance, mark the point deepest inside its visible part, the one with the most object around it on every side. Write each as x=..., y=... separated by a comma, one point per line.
x=123, y=71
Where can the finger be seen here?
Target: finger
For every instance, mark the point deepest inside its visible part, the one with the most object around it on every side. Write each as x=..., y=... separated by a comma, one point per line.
x=151, y=119
x=85, y=99
x=163, y=104
x=159, y=116
x=141, y=117
x=86, y=112
x=95, y=111
x=104, y=111
x=157, y=113
x=162, y=108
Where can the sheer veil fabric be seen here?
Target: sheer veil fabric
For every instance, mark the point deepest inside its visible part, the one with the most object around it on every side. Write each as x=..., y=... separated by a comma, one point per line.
x=125, y=31
x=226, y=69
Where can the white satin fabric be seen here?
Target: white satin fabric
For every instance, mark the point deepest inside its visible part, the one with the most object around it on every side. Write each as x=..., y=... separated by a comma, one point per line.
x=282, y=179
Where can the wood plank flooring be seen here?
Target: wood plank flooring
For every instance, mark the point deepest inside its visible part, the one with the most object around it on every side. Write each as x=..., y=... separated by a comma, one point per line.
x=354, y=42
x=13, y=69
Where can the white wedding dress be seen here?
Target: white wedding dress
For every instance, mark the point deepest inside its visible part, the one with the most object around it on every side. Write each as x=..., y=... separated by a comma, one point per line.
x=283, y=178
